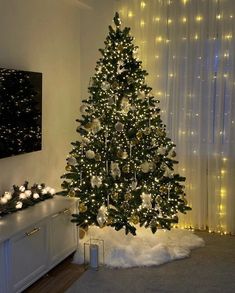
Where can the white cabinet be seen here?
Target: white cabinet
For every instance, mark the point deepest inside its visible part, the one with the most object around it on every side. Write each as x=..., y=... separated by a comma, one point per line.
x=33, y=241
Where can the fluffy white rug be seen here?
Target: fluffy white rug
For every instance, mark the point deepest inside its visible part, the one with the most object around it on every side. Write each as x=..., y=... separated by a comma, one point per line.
x=145, y=249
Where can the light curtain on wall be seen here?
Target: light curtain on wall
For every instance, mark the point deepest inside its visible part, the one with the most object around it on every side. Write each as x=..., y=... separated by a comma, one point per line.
x=188, y=49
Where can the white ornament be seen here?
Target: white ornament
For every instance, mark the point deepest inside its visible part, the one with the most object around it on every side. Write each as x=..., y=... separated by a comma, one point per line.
x=102, y=216
x=119, y=126
x=115, y=170
x=39, y=186
x=22, y=195
x=125, y=105
x=96, y=181
x=22, y=188
x=145, y=167
x=19, y=205
x=44, y=191
x=3, y=200
x=96, y=125
x=7, y=195
x=85, y=140
x=90, y=154
x=83, y=109
x=72, y=161
x=52, y=191
x=105, y=86
x=146, y=200
x=28, y=193
x=161, y=150
x=142, y=95
x=36, y=195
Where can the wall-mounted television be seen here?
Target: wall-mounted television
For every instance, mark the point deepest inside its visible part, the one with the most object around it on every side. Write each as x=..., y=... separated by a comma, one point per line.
x=20, y=112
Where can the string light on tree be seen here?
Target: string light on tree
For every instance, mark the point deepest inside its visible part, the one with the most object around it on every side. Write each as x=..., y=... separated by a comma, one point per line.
x=133, y=180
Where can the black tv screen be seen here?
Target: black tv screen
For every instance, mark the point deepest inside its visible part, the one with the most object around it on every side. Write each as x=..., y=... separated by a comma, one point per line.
x=20, y=112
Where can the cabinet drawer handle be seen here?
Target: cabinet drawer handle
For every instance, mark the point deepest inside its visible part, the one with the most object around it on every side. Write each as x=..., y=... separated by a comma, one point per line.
x=35, y=230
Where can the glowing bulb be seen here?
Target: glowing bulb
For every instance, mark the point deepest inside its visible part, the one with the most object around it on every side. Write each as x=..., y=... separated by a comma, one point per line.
x=130, y=14
x=222, y=172
x=169, y=21
x=184, y=19
x=198, y=18
x=142, y=4
x=157, y=18
x=196, y=37
x=184, y=1
x=158, y=39
x=142, y=23
x=218, y=16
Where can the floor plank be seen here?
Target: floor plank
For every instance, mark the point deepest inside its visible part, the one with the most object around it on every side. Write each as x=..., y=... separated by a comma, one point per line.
x=59, y=279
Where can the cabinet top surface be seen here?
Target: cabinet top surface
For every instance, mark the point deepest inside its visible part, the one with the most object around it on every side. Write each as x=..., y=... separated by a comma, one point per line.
x=16, y=222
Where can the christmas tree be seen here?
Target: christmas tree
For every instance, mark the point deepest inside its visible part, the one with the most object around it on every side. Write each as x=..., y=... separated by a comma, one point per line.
x=20, y=113
x=122, y=166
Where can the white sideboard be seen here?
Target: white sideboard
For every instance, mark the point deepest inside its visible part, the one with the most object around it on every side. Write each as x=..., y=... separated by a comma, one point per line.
x=34, y=240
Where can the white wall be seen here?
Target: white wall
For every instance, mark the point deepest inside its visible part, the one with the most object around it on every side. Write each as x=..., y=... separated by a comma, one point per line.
x=59, y=38
x=43, y=36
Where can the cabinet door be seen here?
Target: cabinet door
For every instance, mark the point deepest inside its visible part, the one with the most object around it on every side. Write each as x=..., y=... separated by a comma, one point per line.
x=63, y=236
x=28, y=253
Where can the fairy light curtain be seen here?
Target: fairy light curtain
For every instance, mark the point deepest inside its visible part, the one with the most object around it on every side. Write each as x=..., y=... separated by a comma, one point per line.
x=188, y=49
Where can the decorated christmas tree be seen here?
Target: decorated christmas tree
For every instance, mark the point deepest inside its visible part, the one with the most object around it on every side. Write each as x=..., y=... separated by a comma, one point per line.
x=122, y=165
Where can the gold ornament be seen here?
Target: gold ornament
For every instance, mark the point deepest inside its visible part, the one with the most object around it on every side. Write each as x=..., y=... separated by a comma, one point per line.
x=128, y=196
x=160, y=131
x=173, y=154
x=122, y=155
x=135, y=141
x=114, y=196
x=163, y=189
x=139, y=135
x=147, y=131
x=152, y=166
x=82, y=207
x=109, y=221
x=82, y=233
x=97, y=157
x=68, y=168
x=126, y=168
x=88, y=126
x=120, y=48
x=134, y=219
x=72, y=193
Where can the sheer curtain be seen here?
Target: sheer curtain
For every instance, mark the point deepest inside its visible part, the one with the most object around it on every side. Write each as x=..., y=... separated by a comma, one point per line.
x=188, y=49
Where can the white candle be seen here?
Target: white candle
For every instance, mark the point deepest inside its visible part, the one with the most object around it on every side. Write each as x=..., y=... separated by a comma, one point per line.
x=94, y=256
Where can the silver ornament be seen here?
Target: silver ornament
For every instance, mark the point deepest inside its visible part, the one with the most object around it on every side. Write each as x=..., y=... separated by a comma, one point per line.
x=102, y=215
x=115, y=170
x=145, y=167
x=119, y=126
x=72, y=161
x=146, y=200
x=90, y=154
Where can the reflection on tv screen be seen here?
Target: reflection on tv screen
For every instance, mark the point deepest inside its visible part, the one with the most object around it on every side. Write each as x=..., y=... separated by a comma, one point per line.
x=20, y=112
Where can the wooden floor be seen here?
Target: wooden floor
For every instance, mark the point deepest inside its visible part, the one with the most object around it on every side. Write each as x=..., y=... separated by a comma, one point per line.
x=59, y=279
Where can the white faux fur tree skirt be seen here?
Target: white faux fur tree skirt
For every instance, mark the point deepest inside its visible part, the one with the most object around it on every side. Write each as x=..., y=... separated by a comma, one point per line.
x=144, y=249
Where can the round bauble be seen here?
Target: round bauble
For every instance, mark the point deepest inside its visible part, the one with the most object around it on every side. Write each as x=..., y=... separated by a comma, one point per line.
x=85, y=140
x=147, y=130
x=105, y=86
x=82, y=207
x=173, y=154
x=119, y=126
x=139, y=135
x=72, y=161
x=96, y=125
x=72, y=193
x=134, y=219
x=68, y=168
x=145, y=167
x=114, y=195
x=128, y=196
x=90, y=154
x=126, y=169
x=88, y=126
x=7, y=195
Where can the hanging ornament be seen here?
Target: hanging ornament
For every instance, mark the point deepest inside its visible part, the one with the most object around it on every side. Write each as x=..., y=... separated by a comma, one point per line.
x=161, y=150
x=134, y=184
x=147, y=130
x=145, y=168
x=173, y=154
x=85, y=140
x=134, y=219
x=7, y=195
x=126, y=169
x=72, y=161
x=152, y=166
x=96, y=125
x=83, y=109
x=82, y=208
x=141, y=95
x=163, y=189
x=122, y=155
x=72, y=193
x=139, y=134
x=119, y=126
x=146, y=200
x=105, y=86
x=128, y=196
x=114, y=195
x=125, y=105
x=102, y=215
x=90, y=154
x=115, y=170
x=68, y=168
x=158, y=198
x=97, y=157
x=96, y=181
x=19, y=205
x=120, y=67
x=88, y=126
x=160, y=132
